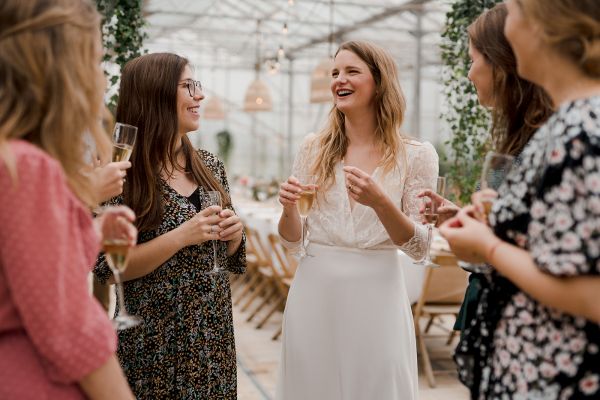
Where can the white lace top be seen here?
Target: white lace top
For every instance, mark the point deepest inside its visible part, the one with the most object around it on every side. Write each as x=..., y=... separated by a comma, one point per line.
x=332, y=221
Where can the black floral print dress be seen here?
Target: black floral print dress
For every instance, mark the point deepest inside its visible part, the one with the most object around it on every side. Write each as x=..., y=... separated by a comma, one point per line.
x=185, y=348
x=517, y=348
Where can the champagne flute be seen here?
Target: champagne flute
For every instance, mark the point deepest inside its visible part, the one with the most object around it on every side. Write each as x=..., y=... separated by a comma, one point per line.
x=213, y=198
x=305, y=203
x=430, y=214
x=495, y=168
x=116, y=250
x=123, y=141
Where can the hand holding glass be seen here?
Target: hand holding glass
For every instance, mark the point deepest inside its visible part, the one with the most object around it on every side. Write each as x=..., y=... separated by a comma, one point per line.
x=430, y=214
x=123, y=141
x=213, y=198
x=115, y=245
x=305, y=203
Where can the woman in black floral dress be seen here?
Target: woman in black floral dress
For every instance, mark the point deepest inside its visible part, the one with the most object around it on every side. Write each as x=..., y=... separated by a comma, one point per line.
x=537, y=330
x=185, y=348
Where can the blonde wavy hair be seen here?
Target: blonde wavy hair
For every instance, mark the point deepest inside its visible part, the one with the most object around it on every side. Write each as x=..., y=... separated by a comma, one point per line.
x=572, y=27
x=52, y=84
x=390, y=105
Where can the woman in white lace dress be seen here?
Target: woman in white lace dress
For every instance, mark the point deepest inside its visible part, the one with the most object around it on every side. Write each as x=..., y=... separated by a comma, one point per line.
x=348, y=329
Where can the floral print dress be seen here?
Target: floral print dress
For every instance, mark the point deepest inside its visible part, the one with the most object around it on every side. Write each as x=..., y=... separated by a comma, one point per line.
x=185, y=348
x=517, y=348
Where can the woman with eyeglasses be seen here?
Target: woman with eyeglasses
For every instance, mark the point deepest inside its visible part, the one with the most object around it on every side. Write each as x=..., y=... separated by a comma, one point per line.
x=185, y=347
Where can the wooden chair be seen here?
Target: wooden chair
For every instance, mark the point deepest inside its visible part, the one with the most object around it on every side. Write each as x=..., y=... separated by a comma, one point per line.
x=442, y=294
x=252, y=276
x=265, y=288
x=284, y=268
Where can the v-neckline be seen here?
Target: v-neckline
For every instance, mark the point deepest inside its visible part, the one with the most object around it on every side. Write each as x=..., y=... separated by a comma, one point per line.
x=352, y=205
x=164, y=181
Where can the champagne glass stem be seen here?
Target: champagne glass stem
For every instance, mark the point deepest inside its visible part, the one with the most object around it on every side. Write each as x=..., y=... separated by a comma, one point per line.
x=303, y=232
x=429, y=237
x=303, y=221
x=120, y=295
x=215, y=254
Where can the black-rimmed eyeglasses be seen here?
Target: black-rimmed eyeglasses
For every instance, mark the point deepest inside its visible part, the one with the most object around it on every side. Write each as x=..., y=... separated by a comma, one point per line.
x=192, y=87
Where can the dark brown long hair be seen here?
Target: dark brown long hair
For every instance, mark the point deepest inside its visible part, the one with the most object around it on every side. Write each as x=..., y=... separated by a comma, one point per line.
x=148, y=100
x=520, y=107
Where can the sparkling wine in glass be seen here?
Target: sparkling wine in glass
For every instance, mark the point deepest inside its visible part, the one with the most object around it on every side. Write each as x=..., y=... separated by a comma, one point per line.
x=116, y=250
x=123, y=141
x=430, y=215
x=495, y=168
x=213, y=198
x=305, y=203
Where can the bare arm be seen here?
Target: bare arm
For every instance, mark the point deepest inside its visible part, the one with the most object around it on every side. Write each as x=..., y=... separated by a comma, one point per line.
x=106, y=382
x=146, y=257
x=290, y=227
x=576, y=295
x=472, y=240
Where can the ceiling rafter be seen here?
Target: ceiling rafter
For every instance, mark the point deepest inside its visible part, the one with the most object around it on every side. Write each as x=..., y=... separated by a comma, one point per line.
x=386, y=13
x=229, y=26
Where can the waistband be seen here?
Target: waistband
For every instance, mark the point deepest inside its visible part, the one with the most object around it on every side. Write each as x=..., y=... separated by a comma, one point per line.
x=325, y=247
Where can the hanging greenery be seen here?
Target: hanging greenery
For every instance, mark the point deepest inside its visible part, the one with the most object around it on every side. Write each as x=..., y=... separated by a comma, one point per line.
x=225, y=145
x=468, y=121
x=122, y=38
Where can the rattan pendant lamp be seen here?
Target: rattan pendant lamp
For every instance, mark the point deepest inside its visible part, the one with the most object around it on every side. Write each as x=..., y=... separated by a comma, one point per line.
x=258, y=96
x=320, y=80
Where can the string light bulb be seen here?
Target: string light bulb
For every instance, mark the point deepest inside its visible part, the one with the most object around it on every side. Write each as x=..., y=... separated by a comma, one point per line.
x=280, y=53
x=285, y=29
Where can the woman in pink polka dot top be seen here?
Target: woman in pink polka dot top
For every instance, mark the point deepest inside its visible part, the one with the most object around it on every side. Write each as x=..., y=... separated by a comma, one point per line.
x=56, y=342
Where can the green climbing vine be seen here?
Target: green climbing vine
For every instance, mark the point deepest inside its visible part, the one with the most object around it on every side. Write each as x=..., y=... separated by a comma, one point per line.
x=122, y=38
x=468, y=121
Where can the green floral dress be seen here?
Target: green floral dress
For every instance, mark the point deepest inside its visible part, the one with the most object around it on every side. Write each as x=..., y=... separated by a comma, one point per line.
x=185, y=348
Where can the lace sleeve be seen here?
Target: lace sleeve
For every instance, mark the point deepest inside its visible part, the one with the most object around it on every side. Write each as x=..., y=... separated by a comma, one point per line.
x=302, y=164
x=422, y=174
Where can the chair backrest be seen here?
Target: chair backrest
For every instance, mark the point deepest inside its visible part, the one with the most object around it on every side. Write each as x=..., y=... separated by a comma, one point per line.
x=256, y=246
x=446, y=284
x=443, y=285
x=285, y=261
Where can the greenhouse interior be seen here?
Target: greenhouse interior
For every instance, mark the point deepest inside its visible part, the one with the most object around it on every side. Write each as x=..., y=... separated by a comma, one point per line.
x=300, y=199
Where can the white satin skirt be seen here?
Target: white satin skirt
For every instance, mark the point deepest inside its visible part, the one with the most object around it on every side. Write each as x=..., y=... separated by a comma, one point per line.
x=348, y=331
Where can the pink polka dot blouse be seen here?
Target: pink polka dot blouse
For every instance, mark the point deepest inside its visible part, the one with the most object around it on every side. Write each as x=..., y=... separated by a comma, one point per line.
x=52, y=332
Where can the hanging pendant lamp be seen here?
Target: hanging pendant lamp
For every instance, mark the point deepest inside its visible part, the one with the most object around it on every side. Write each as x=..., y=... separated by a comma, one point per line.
x=214, y=109
x=258, y=97
x=320, y=82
